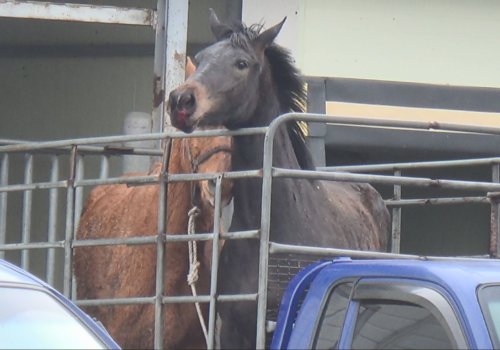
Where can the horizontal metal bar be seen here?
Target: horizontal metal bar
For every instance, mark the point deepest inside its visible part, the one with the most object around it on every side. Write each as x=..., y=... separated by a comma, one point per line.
x=77, y=12
x=114, y=241
x=387, y=123
x=136, y=240
x=34, y=245
x=413, y=165
x=435, y=201
x=165, y=300
x=115, y=301
x=31, y=146
x=153, y=238
x=152, y=179
x=386, y=179
x=34, y=186
x=128, y=180
x=132, y=180
x=279, y=248
x=206, y=298
x=241, y=234
x=88, y=150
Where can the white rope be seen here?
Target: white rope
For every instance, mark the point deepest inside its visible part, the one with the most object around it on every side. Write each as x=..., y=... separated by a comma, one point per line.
x=194, y=265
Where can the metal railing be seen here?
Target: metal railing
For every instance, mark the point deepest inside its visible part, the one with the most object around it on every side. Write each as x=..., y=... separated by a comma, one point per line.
x=73, y=154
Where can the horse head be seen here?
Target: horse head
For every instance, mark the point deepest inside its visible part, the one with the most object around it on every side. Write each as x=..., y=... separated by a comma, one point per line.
x=225, y=88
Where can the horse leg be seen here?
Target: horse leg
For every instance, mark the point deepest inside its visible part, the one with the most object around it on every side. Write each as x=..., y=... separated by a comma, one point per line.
x=238, y=322
x=238, y=319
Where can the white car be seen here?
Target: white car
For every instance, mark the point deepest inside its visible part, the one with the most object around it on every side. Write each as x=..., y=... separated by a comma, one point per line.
x=33, y=315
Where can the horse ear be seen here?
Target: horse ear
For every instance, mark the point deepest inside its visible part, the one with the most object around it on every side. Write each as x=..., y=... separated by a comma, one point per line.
x=190, y=67
x=219, y=30
x=267, y=37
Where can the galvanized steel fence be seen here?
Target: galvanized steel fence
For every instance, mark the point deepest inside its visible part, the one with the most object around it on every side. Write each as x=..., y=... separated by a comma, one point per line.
x=65, y=180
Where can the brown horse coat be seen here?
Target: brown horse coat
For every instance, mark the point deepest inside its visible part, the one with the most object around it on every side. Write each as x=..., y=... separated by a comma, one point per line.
x=127, y=271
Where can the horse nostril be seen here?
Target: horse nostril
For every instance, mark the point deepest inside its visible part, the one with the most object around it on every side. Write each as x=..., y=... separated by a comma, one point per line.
x=186, y=101
x=172, y=100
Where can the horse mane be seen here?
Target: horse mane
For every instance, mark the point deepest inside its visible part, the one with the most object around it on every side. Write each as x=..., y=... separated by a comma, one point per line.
x=290, y=87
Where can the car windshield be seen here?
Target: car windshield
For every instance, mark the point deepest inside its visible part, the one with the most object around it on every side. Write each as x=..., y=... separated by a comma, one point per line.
x=489, y=298
x=31, y=318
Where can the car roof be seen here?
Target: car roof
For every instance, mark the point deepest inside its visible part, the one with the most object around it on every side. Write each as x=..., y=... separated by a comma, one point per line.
x=10, y=273
x=442, y=270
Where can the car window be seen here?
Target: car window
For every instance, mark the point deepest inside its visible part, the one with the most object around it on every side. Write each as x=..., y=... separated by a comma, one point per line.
x=330, y=324
x=398, y=325
x=489, y=298
x=31, y=318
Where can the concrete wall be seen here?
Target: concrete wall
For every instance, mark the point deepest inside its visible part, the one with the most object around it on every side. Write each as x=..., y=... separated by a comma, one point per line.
x=440, y=42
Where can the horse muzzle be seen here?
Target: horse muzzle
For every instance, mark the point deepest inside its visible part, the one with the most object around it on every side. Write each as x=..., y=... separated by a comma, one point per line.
x=181, y=107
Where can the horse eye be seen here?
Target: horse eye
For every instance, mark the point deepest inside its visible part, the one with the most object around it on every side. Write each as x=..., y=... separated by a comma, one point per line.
x=241, y=64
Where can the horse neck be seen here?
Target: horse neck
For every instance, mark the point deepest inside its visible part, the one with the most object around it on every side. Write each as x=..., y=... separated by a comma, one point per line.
x=249, y=149
x=179, y=193
x=248, y=155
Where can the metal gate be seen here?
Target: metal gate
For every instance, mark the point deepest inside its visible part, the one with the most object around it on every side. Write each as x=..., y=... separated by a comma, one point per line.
x=62, y=190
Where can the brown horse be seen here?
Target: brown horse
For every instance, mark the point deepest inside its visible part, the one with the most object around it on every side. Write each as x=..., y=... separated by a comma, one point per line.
x=127, y=271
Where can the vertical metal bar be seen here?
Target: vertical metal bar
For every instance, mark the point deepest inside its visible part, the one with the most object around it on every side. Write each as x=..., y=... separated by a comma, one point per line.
x=159, y=69
x=27, y=205
x=396, y=219
x=160, y=257
x=79, y=174
x=80, y=170
x=265, y=225
x=104, y=171
x=316, y=103
x=175, y=56
x=52, y=225
x=160, y=246
x=70, y=205
x=4, y=181
x=215, y=263
x=495, y=215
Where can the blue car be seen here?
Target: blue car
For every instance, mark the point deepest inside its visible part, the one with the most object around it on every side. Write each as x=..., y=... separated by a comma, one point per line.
x=34, y=315
x=392, y=304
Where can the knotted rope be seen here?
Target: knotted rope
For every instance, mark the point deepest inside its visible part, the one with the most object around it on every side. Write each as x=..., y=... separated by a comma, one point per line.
x=194, y=265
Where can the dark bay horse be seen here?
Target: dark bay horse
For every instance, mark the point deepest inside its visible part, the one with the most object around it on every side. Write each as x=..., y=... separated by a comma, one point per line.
x=129, y=271
x=245, y=80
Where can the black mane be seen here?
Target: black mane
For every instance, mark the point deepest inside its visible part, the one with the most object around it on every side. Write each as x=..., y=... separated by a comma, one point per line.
x=290, y=87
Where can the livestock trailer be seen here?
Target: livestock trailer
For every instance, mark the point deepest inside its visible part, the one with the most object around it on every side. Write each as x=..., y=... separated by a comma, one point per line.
x=44, y=184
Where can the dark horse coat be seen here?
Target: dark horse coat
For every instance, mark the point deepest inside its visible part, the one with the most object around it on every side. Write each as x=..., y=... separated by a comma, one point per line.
x=245, y=80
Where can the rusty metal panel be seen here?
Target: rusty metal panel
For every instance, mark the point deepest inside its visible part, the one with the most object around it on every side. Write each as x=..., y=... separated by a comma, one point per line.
x=77, y=13
x=175, y=56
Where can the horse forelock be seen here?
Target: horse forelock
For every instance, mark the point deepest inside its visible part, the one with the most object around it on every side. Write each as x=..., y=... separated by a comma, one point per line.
x=241, y=35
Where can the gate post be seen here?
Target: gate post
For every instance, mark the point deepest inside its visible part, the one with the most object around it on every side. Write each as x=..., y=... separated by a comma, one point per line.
x=396, y=219
x=495, y=214
x=316, y=99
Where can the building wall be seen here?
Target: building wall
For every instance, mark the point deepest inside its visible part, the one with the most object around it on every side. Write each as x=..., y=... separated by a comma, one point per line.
x=439, y=42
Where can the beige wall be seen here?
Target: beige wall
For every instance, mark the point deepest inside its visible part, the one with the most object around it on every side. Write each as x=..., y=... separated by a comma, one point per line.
x=452, y=42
